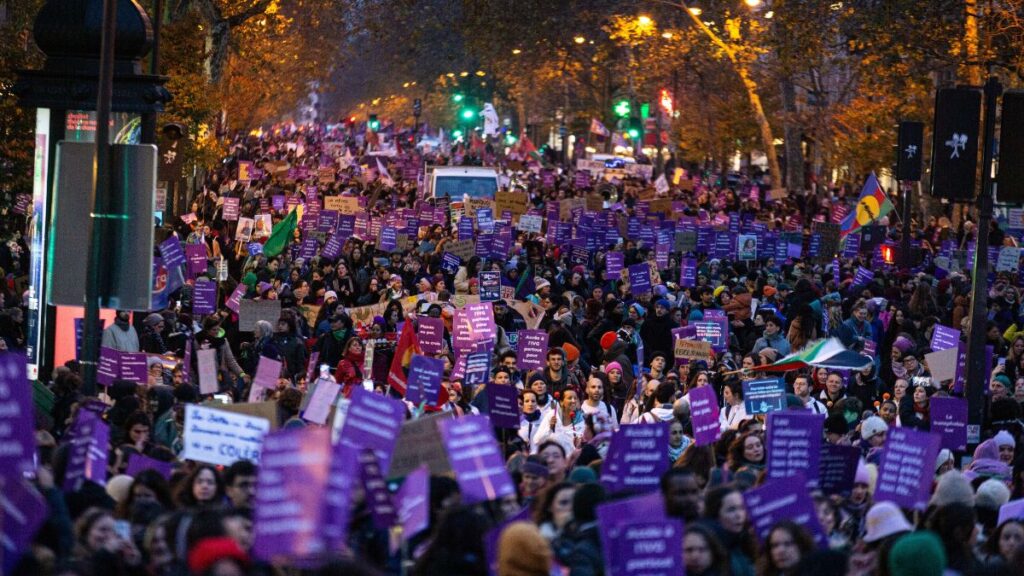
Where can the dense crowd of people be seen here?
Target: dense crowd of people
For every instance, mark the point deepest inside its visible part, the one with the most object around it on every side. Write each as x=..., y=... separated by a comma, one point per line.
x=347, y=296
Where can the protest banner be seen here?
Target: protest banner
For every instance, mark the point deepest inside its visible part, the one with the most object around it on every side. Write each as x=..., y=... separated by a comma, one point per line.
x=778, y=500
x=764, y=395
x=220, y=437
x=532, y=349
x=907, y=466
x=476, y=459
x=948, y=417
x=614, y=516
x=693, y=350
x=265, y=410
x=503, y=405
x=793, y=445
x=837, y=468
x=424, y=381
x=704, y=415
x=636, y=458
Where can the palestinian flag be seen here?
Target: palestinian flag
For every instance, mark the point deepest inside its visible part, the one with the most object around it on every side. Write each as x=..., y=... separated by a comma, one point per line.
x=872, y=205
x=821, y=354
x=527, y=147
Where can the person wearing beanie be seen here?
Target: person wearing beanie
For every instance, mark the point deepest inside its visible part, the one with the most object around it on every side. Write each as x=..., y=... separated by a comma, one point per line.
x=952, y=488
x=991, y=495
x=522, y=551
x=917, y=554
x=152, y=339
x=883, y=520
x=987, y=462
x=1006, y=444
x=872, y=431
x=836, y=428
x=217, y=555
x=944, y=462
x=607, y=339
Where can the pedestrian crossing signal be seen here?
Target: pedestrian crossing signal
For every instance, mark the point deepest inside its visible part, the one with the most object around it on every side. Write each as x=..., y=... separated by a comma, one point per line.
x=888, y=254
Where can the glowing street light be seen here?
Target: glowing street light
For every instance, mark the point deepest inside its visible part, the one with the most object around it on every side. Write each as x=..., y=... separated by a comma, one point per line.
x=752, y=3
x=644, y=21
x=463, y=74
x=517, y=51
x=696, y=11
x=666, y=35
x=579, y=39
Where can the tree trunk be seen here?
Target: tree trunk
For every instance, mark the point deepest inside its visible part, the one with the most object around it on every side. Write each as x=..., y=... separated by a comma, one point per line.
x=767, y=138
x=792, y=135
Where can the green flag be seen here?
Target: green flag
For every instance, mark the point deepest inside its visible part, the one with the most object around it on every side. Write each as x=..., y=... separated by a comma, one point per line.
x=281, y=234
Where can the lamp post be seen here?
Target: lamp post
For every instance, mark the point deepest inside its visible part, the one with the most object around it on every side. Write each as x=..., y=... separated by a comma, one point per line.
x=76, y=36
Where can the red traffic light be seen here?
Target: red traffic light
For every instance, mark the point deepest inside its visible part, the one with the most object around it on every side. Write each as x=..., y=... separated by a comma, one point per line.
x=888, y=254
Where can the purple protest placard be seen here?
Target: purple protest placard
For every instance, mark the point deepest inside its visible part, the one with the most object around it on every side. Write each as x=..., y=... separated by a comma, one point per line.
x=87, y=457
x=413, y=502
x=424, y=383
x=793, y=445
x=332, y=248
x=908, y=463
x=109, y=367
x=613, y=516
x=944, y=338
x=640, y=278
x=704, y=415
x=321, y=399
x=764, y=395
x=473, y=323
x=171, y=252
x=17, y=419
x=133, y=367
x=614, y=262
x=373, y=421
x=688, y=273
x=430, y=333
x=230, y=208
x=308, y=248
x=204, y=297
x=196, y=256
x=837, y=468
x=532, y=349
x=292, y=483
x=650, y=548
x=779, y=500
x=637, y=457
x=503, y=405
x=863, y=276
x=388, y=239
x=23, y=512
x=949, y=420
x=382, y=509
x=139, y=462
x=234, y=302
x=478, y=367
x=476, y=459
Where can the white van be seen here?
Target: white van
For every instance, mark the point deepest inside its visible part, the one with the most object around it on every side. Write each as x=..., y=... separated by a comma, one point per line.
x=458, y=182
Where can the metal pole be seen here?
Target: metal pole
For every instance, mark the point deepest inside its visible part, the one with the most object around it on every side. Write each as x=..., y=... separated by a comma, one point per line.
x=905, y=260
x=100, y=200
x=977, y=379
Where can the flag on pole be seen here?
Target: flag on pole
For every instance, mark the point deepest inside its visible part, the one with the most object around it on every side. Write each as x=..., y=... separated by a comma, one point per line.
x=828, y=353
x=383, y=175
x=491, y=122
x=872, y=205
x=596, y=127
x=527, y=147
x=281, y=234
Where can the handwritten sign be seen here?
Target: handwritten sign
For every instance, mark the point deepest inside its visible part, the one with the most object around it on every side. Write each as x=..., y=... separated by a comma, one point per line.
x=693, y=350
x=704, y=415
x=222, y=438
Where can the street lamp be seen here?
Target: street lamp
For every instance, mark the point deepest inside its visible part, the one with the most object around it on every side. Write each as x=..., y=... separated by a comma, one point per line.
x=752, y=3
x=579, y=39
x=644, y=21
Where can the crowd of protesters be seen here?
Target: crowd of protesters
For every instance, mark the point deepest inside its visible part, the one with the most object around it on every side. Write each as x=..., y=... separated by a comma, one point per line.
x=610, y=365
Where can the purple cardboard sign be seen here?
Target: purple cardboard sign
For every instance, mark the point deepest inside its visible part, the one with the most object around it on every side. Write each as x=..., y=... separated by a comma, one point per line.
x=424, y=382
x=640, y=278
x=793, y=445
x=332, y=248
x=614, y=262
x=413, y=502
x=450, y=262
x=139, y=462
x=476, y=459
x=489, y=285
x=637, y=457
x=23, y=511
x=473, y=323
x=532, y=349
x=710, y=332
x=204, y=297
x=613, y=516
x=171, y=252
x=650, y=548
x=87, y=457
x=863, y=276
x=373, y=421
x=779, y=500
x=949, y=421
x=388, y=239
x=292, y=482
x=196, y=255
x=17, y=418
x=230, y=208
x=688, y=273
x=764, y=395
x=321, y=399
x=704, y=415
x=109, y=367
x=837, y=468
x=944, y=338
x=961, y=368
x=478, y=367
x=308, y=248
x=908, y=463
x=503, y=405
x=430, y=332
x=337, y=499
x=134, y=367
x=382, y=509
x=234, y=302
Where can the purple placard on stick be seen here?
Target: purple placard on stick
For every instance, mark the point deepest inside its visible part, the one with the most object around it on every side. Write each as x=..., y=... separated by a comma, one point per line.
x=636, y=458
x=382, y=509
x=172, y=253
x=139, y=462
x=779, y=500
x=837, y=468
x=949, y=421
x=944, y=338
x=87, y=457
x=908, y=463
x=640, y=278
x=196, y=255
x=430, y=333
x=17, y=418
x=234, y=302
x=503, y=405
x=373, y=421
x=704, y=415
x=614, y=262
x=321, y=400
x=793, y=445
x=134, y=367
x=204, y=297
x=412, y=502
x=230, y=208
x=612, y=517
x=476, y=459
x=332, y=248
x=688, y=273
x=292, y=483
x=109, y=367
x=23, y=512
x=650, y=547
x=424, y=383
x=532, y=349
x=863, y=276
x=473, y=323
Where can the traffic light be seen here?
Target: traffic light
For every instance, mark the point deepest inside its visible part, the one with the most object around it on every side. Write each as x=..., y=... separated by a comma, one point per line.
x=373, y=123
x=645, y=110
x=666, y=102
x=468, y=114
x=955, y=144
x=458, y=97
x=888, y=253
x=635, y=128
x=622, y=108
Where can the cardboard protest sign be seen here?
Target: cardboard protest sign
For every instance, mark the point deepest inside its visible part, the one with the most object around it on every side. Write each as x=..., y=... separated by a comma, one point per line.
x=650, y=547
x=195, y=255
x=944, y=338
x=373, y=421
x=290, y=489
x=837, y=468
x=490, y=285
x=532, y=349
x=531, y=223
x=942, y=364
x=464, y=249
x=613, y=517
x=473, y=323
x=382, y=509
x=346, y=205
x=636, y=458
x=949, y=420
x=419, y=443
x=710, y=332
x=172, y=253
x=908, y=464
x=220, y=437
x=503, y=405
x=412, y=503
x=704, y=415
x=764, y=395
x=693, y=350
x=17, y=419
x=206, y=362
x=321, y=400
x=778, y=500
x=640, y=278
x=23, y=511
x=430, y=332
x=793, y=445
x=476, y=459
x=87, y=457
x=251, y=311
x=204, y=297
x=424, y=381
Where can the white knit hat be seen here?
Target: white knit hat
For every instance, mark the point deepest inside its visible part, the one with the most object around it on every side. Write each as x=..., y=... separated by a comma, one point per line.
x=991, y=494
x=1004, y=438
x=871, y=426
x=885, y=519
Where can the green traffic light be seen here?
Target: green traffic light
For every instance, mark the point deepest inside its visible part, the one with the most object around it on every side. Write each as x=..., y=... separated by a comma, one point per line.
x=468, y=114
x=458, y=97
x=634, y=133
x=622, y=108
x=457, y=133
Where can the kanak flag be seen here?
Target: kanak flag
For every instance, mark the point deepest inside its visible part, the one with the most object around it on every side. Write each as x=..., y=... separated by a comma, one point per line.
x=596, y=127
x=872, y=205
x=408, y=345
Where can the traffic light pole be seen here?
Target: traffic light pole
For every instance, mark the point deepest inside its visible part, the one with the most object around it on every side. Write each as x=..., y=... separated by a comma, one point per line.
x=977, y=379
